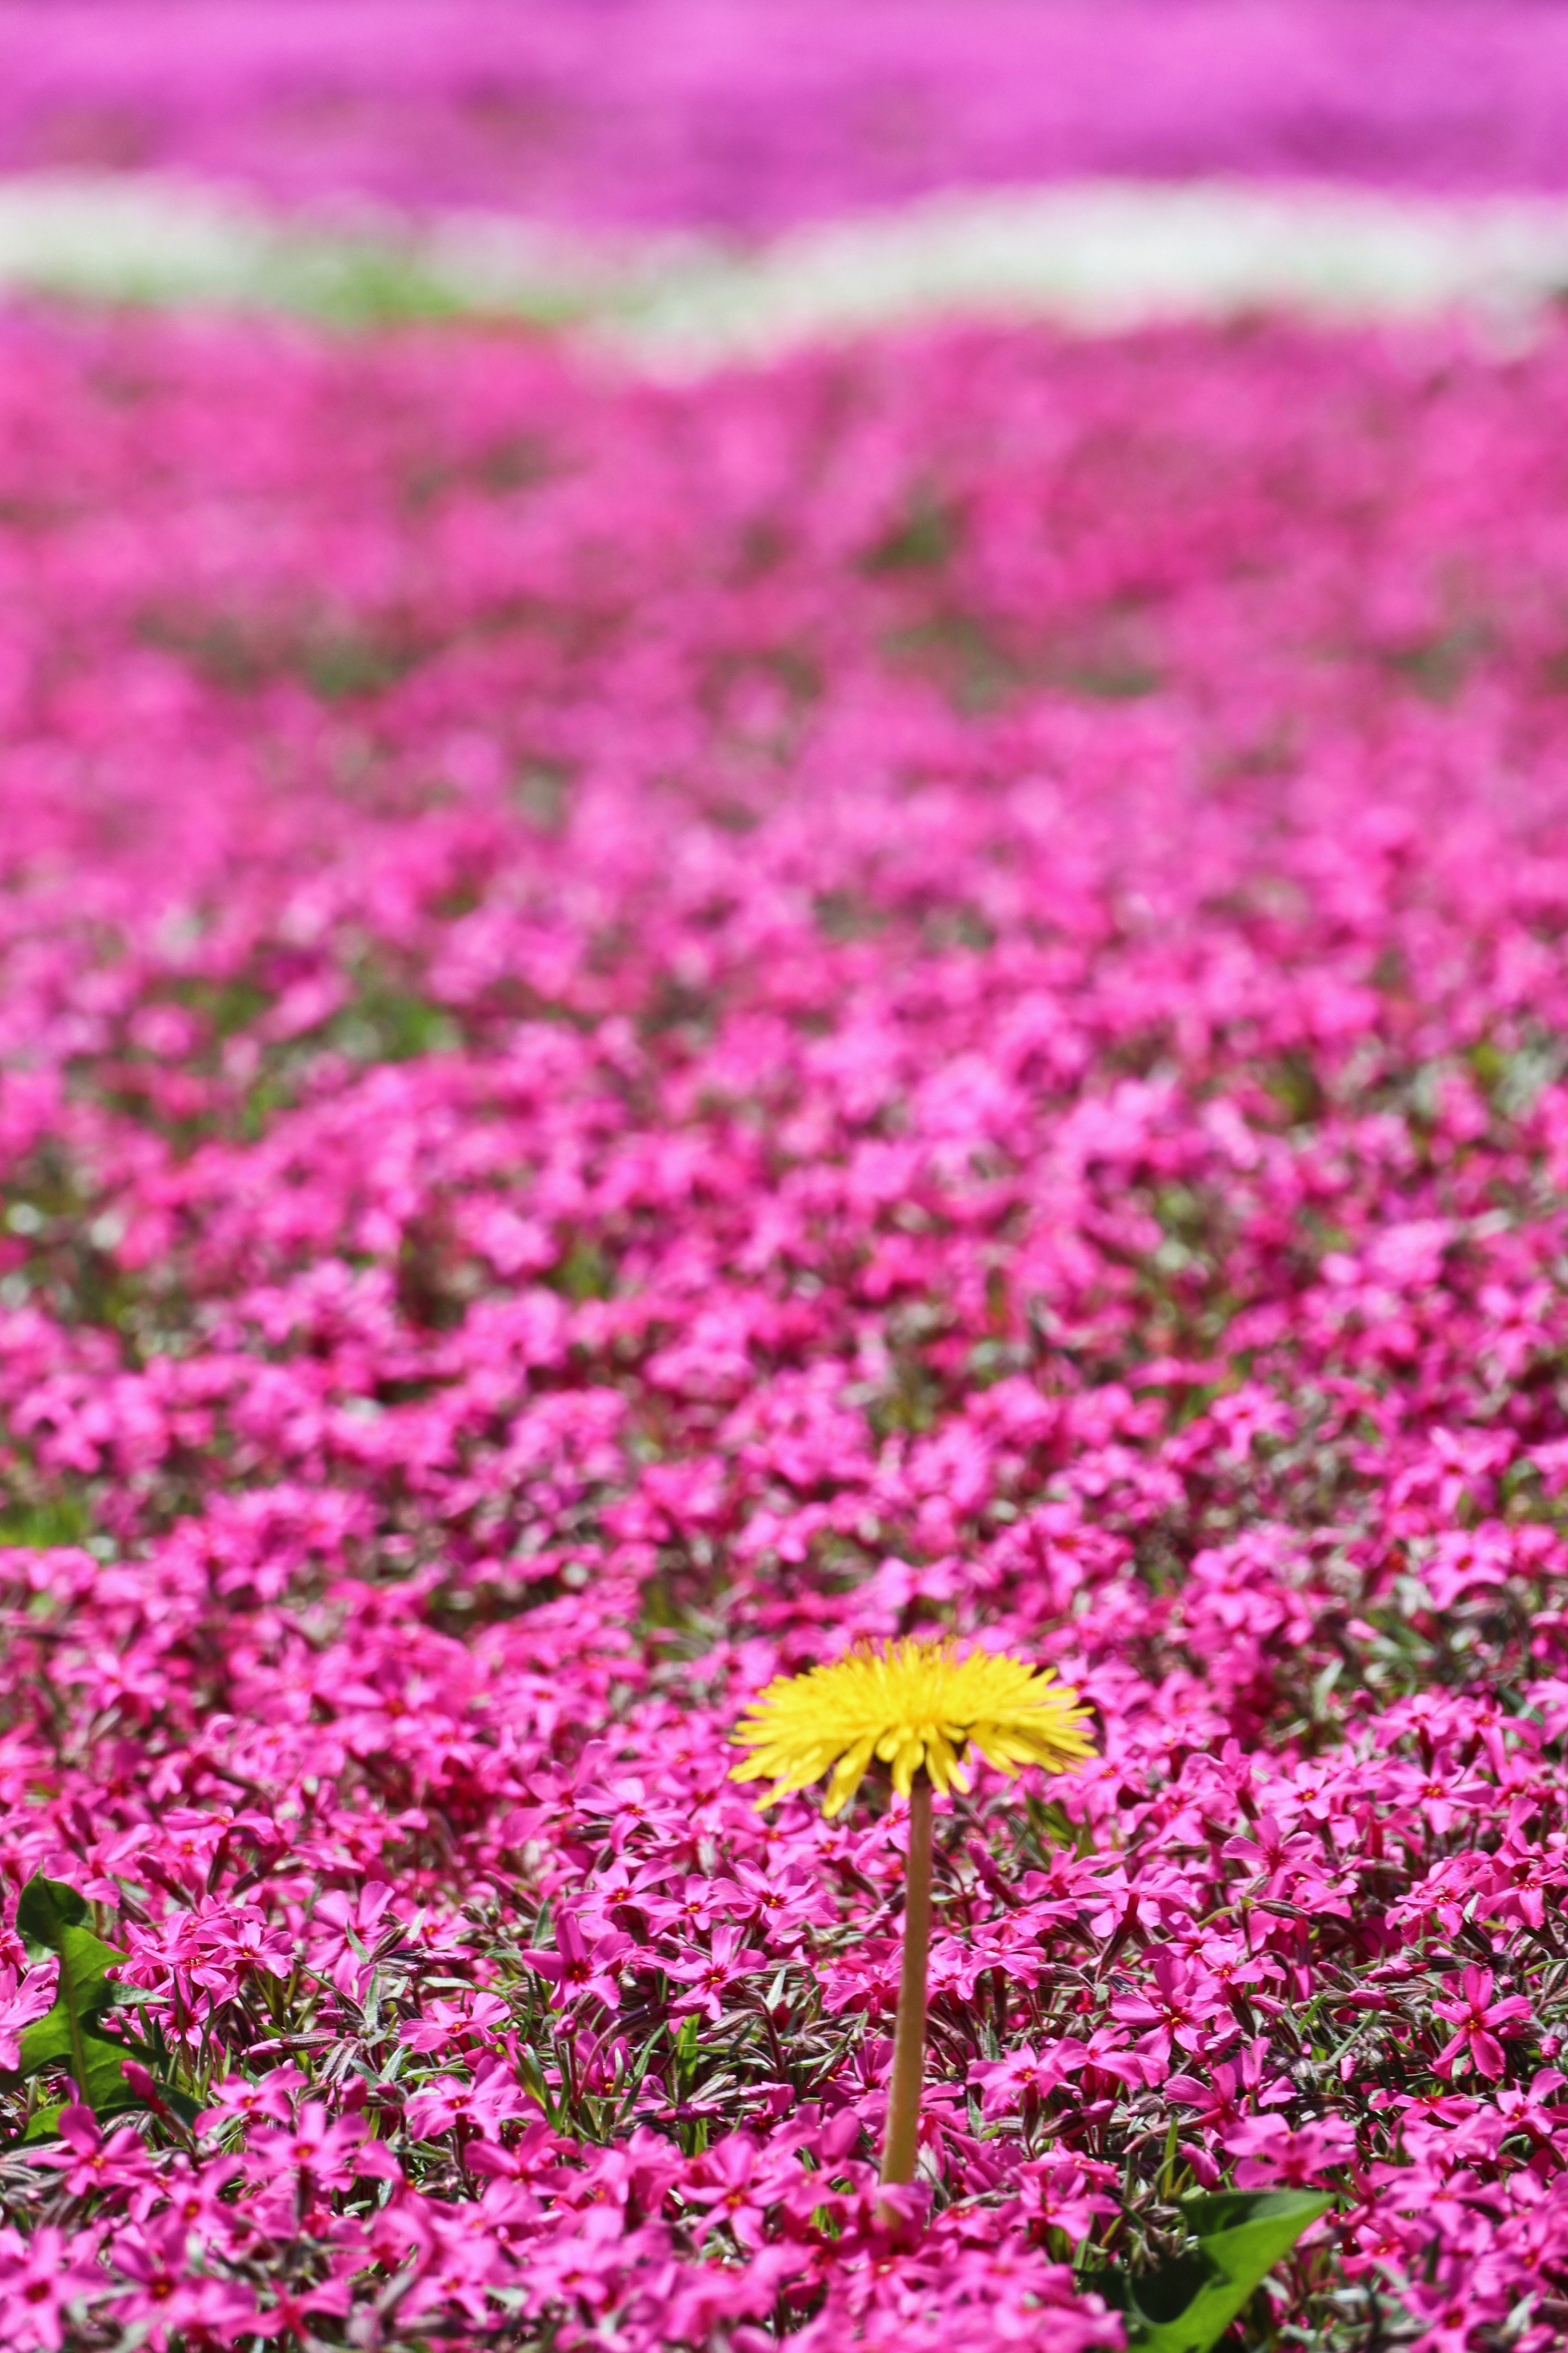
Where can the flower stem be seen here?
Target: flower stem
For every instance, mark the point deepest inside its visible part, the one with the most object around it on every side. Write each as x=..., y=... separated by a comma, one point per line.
x=908, y=2041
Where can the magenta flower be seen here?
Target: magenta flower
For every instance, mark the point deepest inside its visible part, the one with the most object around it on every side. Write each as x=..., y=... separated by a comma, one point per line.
x=1186, y=2005
x=581, y=1966
x=166, y=2294
x=652, y=1032
x=41, y=2280
x=709, y=1976
x=1479, y=2022
x=1275, y=2154
x=292, y=2309
x=332, y=2152
x=90, y=2160
x=737, y=2182
x=492, y=2099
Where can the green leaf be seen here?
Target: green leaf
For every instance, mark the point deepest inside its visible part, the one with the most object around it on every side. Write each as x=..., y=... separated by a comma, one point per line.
x=84, y=1962
x=44, y=1907
x=93, y=2059
x=54, y=1916
x=1187, y=2302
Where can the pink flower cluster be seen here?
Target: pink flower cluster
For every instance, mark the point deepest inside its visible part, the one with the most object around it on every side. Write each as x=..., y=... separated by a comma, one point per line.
x=647, y=1030
x=750, y=114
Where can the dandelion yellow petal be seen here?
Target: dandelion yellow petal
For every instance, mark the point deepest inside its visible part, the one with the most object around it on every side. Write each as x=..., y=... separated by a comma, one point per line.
x=991, y=1748
x=906, y=1763
x=910, y=1704
x=941, y=1762
x=847, y=1775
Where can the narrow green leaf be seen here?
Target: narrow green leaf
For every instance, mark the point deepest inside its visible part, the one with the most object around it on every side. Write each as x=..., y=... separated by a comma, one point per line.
x=183, y=2107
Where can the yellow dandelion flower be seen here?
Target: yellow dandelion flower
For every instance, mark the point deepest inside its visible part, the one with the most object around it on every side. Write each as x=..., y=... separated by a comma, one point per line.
x=910, y=1703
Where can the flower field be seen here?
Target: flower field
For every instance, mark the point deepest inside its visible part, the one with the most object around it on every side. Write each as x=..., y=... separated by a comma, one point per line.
x=647, y=1031
x=746, y=115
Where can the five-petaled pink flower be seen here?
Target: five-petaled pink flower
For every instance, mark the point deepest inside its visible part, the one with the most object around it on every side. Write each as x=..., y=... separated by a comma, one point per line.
x=1479, y=2021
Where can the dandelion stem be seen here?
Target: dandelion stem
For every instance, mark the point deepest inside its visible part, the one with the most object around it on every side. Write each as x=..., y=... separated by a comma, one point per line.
x=908, y=2041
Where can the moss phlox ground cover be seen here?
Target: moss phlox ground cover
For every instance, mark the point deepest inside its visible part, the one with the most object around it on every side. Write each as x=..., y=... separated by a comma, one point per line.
x=650, y=1033
x=751, y=114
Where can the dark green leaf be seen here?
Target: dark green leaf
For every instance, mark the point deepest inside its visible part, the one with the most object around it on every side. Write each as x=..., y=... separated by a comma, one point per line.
x=44, y=1907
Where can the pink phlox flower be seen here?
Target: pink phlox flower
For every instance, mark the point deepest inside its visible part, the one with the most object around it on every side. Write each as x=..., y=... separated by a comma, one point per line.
x=347, y=1935
x=786, y=1902
x=1106, y=2055
x=709, y=1975
x=188, y=1839
x=1524, y=1870
x=1065, y=2193
x=25, y=1995
x=229, y=1943
x=1275, y=1856
x=471, y=2234
x=737, y=2180
x=491, y=2098
x=193, y=2196
x=628, y=1809
x=458, y=2281
x=1220, y=2100
x=580, y=1966
x=41, y=2278
x=1228, y=1961
x=1274, y=2153
x=1479, y=2021
x=812, y=2191
x=457, y=2024
x=1447, y=2313
x=1445, y=1793
x=691, y=2303
x=585, y=2264
x=508, y=2211
x=169, y=2295
x=1188, y=2006
x=1528, y=2110
x=699, y=1903
x=1061, y=1892
x=1126, y=1907
x=1461, y=2132
x=455, y=2255
x=332, y=2151
x=402, y=2233
x=1006, y=2083
x=533, y=2158
x=634, y=2173
x=159, y=1953
x=1465, y=1559
x=90, y=2161
x=1439, y=2199
x=292, y=2307
x=271, y=2096
x=958, y=1963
